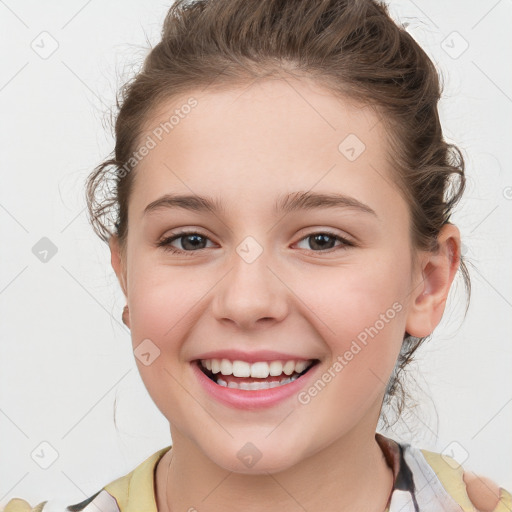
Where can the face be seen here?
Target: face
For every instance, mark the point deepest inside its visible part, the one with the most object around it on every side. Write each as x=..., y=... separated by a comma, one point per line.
x=325, y=281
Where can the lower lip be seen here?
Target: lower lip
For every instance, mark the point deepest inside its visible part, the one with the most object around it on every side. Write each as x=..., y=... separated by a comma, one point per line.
x=252, y=399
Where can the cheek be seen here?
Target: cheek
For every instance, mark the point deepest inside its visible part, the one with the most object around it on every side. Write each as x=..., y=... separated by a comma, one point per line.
x=360, y=313
x=163, y=307
x=163, y=300
x=350, y=298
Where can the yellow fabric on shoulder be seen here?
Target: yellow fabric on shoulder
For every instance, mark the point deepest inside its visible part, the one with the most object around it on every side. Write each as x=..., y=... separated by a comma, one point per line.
x=20, y=505
x=505, y=503
x=135, y=491
x=450, y=474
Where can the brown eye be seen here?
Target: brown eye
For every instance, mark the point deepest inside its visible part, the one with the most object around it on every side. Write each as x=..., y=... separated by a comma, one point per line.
x=190, y=242
x=324, y=241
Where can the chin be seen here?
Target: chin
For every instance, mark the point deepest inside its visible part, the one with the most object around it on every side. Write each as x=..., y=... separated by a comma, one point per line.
x=249, y=460
x=262, y=467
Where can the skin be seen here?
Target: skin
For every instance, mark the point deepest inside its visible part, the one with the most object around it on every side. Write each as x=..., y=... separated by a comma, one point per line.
x=246, y=146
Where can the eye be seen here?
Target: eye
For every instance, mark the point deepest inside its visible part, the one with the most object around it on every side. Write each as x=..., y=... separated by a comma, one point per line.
x=324, y=240
x=192, y=241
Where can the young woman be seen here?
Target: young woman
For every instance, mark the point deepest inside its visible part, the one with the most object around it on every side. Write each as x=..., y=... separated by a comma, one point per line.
x=282, y=206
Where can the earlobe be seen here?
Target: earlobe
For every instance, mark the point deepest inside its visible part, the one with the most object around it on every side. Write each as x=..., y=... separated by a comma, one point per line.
x=117, y=262
x=432, y=285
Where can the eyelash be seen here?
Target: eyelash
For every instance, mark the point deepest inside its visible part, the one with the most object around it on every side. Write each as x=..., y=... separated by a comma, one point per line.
x=165, y=243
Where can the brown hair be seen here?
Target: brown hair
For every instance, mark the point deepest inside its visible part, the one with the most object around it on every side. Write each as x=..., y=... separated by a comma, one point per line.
x=353, y=48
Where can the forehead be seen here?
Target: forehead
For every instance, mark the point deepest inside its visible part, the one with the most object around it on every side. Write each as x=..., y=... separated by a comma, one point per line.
x=260, y=140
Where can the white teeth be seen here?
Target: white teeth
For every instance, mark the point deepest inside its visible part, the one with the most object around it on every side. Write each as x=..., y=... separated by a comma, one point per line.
x=289, y=367
x=258, y=370
x=300, y=366
x=215, y=366
x=241, y=369
x=276, y=368
x=226, y=368
x=254, y=386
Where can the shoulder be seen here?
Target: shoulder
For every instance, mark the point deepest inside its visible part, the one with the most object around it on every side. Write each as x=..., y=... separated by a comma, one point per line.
x=20, y=505
x=470, y=490
x=428, y=480
x=483, y=492
x=134, y=491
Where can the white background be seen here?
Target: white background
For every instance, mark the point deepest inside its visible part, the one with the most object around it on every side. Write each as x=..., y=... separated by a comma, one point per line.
x=65, y=355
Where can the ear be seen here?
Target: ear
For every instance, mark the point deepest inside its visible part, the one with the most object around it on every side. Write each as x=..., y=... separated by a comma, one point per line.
x=432, y=284
x=118, y=265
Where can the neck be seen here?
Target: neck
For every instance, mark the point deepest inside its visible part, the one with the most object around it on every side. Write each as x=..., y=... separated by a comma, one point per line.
x=350, y=474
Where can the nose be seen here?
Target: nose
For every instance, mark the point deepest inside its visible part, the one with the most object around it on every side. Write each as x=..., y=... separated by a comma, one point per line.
x=251, y=295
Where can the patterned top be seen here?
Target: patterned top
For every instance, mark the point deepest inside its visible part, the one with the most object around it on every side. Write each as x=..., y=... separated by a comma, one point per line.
x=424, y=481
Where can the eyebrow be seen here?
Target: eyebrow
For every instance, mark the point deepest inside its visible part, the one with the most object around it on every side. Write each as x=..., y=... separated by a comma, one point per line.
x=287, y=203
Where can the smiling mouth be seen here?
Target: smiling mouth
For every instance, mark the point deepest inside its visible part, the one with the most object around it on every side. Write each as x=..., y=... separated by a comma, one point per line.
x=254, y=383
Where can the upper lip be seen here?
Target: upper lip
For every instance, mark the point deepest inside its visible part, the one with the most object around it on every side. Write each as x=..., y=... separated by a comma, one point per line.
x=252, y=357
